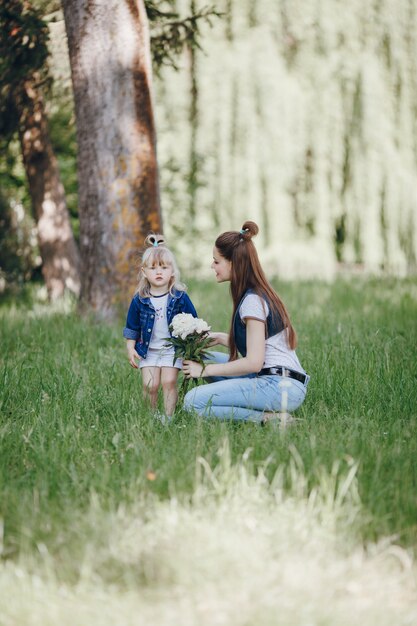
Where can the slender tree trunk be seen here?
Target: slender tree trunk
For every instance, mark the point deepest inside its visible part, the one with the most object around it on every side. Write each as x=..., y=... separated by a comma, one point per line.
x=229, y=20
x=193, y=119
x=60, y=259
x=117, y=167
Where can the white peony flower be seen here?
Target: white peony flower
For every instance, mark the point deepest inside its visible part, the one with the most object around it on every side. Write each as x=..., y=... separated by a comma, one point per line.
x=201, y=326
x=184, y=324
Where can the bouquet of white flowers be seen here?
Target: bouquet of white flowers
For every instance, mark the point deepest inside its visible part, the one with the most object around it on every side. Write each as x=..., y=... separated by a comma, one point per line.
x=190, y=339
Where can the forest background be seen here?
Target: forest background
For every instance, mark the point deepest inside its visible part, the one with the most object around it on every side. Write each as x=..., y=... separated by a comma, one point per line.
x=299, y=115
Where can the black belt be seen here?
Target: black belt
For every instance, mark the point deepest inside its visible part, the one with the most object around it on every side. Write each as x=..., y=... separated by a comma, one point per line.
x=283, y=371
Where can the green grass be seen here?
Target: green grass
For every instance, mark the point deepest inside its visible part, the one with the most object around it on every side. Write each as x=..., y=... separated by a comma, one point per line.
x=73, y=425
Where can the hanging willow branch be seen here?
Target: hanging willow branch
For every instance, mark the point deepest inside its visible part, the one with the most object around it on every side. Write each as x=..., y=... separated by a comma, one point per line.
x=170, y=34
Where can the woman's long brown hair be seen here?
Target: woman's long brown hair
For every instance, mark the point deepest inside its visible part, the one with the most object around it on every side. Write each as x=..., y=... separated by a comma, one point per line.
x=247, y=273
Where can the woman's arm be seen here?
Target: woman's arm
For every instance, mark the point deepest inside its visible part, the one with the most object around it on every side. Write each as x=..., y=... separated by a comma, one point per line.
x=250, y=364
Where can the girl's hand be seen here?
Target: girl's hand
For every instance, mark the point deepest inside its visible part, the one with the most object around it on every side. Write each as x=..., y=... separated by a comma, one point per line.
x=132, y=355
x=192, y=369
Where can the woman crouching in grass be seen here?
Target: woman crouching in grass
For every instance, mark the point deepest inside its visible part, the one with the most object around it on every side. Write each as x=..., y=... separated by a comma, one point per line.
x=268, y=380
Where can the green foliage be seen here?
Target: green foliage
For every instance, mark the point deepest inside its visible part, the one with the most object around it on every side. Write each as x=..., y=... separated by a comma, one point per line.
x=24, y=38
x=18, y=249
x=193, y=347
x=23, y=53
x=64, y=141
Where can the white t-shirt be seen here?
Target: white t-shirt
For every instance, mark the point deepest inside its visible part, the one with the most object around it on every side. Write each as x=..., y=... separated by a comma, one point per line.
x=160, y=330
x=277, y=351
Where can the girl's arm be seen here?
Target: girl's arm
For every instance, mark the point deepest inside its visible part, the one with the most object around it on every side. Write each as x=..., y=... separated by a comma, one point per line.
x=219, y=339
x=250, y=364
x=131, y=331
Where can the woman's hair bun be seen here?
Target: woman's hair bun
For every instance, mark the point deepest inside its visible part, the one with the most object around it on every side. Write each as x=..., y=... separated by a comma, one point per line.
x=249, y=230
x=155, y=239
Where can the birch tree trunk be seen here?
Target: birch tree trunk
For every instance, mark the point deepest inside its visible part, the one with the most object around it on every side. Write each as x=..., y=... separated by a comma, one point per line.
x=119, y=203
x=193, y=118
x=60, y=258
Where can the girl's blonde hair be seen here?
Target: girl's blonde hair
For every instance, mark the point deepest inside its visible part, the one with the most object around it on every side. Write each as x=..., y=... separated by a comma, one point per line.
x=158, y=254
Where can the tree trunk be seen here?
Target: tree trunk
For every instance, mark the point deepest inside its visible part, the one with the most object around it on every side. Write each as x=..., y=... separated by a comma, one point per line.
x=193, y=119
x=117, y=168
x=60, y=259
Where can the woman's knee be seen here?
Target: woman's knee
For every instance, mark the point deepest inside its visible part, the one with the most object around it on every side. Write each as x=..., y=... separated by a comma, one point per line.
x=189, y=400
x=195, y=399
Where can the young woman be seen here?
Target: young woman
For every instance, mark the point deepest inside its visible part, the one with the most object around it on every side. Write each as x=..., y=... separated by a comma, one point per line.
x=159, y=297
x=268, y=378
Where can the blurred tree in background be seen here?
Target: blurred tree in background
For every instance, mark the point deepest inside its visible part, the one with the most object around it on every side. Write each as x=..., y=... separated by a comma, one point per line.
x=117, y=165
x=170, y=36
x=298, y=115
x=118, y=181
x=23, y=80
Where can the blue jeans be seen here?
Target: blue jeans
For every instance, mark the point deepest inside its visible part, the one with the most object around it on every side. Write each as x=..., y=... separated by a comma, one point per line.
x=244, y=398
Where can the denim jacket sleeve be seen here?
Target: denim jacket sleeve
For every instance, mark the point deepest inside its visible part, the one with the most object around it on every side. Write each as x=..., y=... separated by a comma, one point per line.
x=187, y=306
x=132, y=330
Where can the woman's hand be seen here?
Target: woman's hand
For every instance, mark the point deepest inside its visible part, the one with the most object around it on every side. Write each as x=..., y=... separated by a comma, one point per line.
x=192, y=369
x=251, y=363
x=219, y=339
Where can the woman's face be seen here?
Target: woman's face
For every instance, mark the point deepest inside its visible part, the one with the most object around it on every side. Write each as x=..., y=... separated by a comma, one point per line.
x=221, y=266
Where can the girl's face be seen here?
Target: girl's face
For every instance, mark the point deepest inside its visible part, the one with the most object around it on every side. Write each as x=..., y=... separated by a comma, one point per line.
x=221, y=266
x=159, y=277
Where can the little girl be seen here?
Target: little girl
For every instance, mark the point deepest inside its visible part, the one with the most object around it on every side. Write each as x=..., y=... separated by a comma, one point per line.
x=159, y=297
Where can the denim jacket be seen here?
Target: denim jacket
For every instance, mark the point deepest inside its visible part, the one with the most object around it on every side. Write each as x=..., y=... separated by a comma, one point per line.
x=273, y=327
x=141, y=318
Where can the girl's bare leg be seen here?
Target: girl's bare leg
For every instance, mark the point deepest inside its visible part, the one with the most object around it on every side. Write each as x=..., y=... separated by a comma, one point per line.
x=151, y=378
x=169, y=376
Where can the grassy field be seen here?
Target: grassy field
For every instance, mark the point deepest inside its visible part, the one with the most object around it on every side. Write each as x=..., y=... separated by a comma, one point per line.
x=105, y=509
